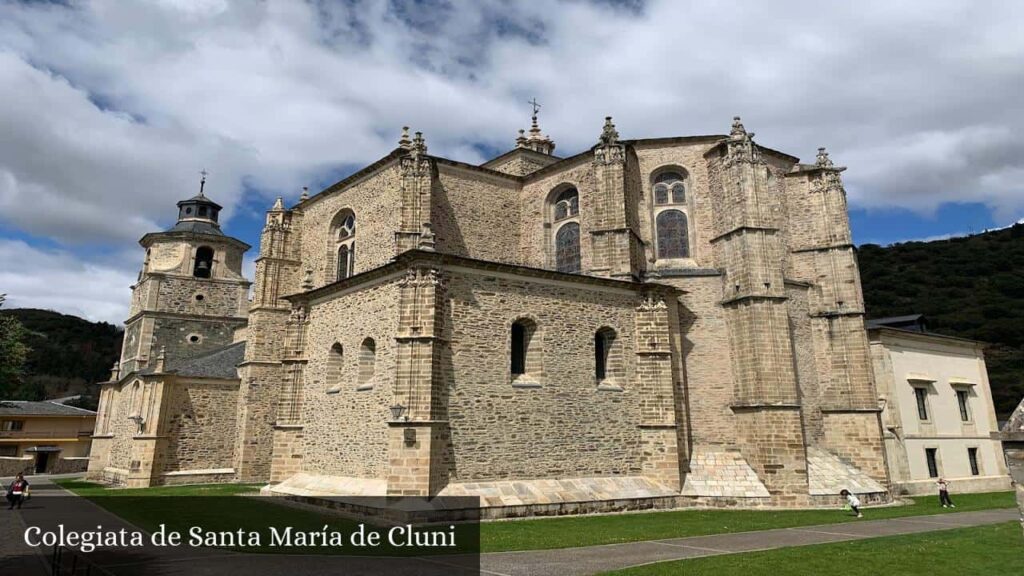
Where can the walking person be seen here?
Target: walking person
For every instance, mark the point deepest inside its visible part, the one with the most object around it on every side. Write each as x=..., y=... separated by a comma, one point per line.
x=944, y=494
x=852, y=501
x=17, y=491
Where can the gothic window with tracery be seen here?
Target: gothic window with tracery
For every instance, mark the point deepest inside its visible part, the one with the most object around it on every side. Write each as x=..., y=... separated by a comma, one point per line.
x=671, y=214
x=567, y=248
x=344, y=232
x=567, y=204
x=672, y=235
x=565, y=224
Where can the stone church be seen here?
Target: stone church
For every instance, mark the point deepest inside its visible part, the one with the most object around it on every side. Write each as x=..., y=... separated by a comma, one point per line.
x=650, y=323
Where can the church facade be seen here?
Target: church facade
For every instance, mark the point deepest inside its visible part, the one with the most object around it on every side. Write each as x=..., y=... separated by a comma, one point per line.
x=649, y=323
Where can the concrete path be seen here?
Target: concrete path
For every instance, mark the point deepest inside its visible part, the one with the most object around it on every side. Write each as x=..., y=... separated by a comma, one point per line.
x=51, y=505
x=594, y=559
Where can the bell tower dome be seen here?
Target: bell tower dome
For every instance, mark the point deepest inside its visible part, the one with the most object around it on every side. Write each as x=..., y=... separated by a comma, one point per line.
x=191, y=296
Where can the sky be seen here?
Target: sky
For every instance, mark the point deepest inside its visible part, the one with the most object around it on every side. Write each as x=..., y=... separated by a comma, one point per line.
x=110, y=109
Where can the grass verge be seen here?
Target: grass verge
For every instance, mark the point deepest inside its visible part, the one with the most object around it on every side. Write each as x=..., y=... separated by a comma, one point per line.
x=994, y=549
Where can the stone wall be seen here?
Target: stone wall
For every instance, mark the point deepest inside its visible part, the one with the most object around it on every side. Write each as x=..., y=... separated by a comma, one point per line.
x=201, y=296
x=706, y=359
x=560, y=424
x=476, y=214
x=11, y=466
x=175, y=336
x=69, y=466
x=345, y=418
x=654, y=157
x=535, y=241
x=198, y=419
x=375, y=201
x=856, y=437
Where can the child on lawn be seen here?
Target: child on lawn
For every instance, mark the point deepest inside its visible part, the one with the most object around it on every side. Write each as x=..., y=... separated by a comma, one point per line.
x=944, y=494
x=853, y=502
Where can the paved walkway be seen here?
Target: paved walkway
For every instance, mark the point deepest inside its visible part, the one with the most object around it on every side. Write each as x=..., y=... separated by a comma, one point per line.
x=51, y=504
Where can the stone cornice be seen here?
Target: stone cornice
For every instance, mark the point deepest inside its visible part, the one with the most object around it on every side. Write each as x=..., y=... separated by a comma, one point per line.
x=421, y=258
x=244, y=319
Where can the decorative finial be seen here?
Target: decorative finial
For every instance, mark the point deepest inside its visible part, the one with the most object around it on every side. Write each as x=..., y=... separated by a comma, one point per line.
x=823, y=160
x=305, y=194
x=537, y=141
x=404, y=141
x=161, y=356
x=202, y=182
x=278, y=204
x=737, y=127
x=609, y=135
x=419, y=144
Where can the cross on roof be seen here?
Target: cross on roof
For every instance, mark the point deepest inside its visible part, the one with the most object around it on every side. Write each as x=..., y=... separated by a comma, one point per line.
x=202, y=183
x=536, y=106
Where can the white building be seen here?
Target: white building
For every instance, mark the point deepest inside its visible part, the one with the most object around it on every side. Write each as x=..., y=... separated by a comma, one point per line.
x=937, y=410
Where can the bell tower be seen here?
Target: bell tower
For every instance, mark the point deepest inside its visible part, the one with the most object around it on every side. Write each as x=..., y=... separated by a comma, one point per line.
x=190, y=297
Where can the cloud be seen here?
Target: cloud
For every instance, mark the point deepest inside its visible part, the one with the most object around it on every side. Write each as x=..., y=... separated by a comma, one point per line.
x=58, y=280
x=112, y=107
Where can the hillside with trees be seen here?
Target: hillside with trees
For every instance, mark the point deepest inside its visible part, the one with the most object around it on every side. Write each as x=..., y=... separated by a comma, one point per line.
x=65, y=355
x=971, y=287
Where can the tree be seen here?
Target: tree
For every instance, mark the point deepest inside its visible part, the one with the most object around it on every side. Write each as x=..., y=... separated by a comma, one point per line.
x=12, y=352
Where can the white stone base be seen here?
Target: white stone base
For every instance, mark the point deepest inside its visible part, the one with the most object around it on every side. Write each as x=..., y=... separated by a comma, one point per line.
x=722, y=474
x=303, y=484
x=828, y=475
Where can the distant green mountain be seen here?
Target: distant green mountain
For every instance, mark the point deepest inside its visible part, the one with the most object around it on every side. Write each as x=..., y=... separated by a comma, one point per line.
x=68, y=354
x=971, y=287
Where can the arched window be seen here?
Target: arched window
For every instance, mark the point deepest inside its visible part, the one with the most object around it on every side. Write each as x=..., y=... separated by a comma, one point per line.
x=525, y=353
x=344, y=255
x=335, y=363
x=564, y=221
x=567, y=204
x=669, y=188
x=670, y=212
x=367, y=362
x=567, y=248
x=343, y=229
x=673, y=235
x=603, y=340
x=204, y=262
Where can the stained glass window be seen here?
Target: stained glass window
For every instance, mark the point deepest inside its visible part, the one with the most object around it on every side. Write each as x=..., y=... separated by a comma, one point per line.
x=673, y=239
x=567, y=248
x=678, y=193
x=660, y=194
x=668, y=177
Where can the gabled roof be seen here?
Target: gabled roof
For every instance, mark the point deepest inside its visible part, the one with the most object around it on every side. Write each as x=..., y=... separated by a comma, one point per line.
x=44, y=408
x=219, y=363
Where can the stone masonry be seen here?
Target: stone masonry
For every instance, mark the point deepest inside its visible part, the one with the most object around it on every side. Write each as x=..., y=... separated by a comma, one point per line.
x=642, y=323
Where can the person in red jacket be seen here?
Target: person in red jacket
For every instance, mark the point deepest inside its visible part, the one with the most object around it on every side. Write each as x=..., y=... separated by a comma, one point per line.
x=17, y=491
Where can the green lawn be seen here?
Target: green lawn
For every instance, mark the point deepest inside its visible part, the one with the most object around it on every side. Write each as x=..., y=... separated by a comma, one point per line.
x=526, y=534
x=591, y=530
x=996, y=549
